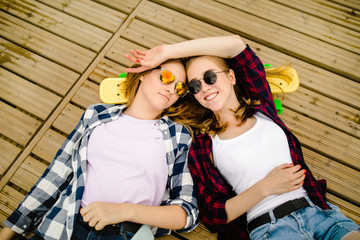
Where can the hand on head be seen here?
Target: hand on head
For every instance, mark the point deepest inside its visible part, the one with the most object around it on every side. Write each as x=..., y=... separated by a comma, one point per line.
x=147, y=59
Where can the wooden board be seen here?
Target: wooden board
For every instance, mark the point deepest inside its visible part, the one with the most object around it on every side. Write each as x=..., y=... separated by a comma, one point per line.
x=68, y=118
x=48, y=145
x=8, y=152
x=91, y=12
x=327, y=10
x=325, y=140
x=27, y=95
x=46, y=44
x=59, y=23
x=28, y=173
x=35, y=68
x=301, y=22
x=17, y=125
x=268, y=33
x=88, y=94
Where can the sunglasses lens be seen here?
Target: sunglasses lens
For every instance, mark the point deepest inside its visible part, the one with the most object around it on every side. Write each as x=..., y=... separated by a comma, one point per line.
x=167, y=77
x=194, y=86
x=210, y=77
x=181, y=89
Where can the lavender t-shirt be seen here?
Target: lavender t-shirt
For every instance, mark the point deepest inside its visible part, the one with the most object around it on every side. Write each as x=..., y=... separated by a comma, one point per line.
x=126, y=163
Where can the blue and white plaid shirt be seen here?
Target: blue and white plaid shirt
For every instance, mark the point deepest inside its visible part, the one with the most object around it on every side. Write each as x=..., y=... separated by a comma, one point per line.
x=55, y=199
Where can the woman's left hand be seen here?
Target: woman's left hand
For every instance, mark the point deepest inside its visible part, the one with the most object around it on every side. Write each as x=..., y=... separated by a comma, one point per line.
x=100, y=214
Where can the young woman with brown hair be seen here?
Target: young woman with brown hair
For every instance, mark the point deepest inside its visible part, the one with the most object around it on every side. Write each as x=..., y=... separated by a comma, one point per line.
x=122, y=166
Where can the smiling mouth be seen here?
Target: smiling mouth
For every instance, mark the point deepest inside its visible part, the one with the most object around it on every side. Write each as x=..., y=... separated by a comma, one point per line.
x=211, y=96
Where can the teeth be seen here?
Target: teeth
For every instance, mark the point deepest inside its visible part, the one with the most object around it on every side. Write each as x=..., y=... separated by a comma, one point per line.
x=211, y=96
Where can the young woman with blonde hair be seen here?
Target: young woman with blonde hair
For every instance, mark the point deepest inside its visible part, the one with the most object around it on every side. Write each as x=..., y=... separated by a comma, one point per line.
x=247, y=166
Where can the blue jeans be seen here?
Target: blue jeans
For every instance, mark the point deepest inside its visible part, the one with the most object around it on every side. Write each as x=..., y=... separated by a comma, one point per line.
x=83, y=231
x=307, y=223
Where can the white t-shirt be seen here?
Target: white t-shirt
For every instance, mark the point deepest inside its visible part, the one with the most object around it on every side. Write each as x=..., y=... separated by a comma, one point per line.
x=126, y=163
x=248, y=158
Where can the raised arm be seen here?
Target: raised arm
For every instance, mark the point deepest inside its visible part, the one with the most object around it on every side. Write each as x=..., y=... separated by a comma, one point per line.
x=224, y=46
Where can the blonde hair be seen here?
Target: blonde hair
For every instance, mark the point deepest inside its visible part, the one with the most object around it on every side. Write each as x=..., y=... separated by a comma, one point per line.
x=207, y=120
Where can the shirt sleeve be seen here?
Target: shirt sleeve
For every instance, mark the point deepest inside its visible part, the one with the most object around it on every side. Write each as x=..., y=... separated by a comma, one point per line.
x=181, y=184
x=251, y=77
x=48, y=188
x=212, y=191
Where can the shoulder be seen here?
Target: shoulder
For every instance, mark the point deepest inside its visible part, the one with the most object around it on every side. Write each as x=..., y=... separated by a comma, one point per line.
x=101, y=108
x=178, y=132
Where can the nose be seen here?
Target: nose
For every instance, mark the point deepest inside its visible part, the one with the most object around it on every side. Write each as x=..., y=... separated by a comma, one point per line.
x=204, y=86
x=170, y=88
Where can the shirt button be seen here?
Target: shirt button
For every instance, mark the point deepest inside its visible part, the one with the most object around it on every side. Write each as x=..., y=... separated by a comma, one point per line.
x=25, y=226
x=166, y=133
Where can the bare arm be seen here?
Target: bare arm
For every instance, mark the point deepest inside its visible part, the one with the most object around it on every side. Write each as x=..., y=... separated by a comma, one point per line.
x=100, y=214
x=224, y=46
x=6, y=233
x=284, y=178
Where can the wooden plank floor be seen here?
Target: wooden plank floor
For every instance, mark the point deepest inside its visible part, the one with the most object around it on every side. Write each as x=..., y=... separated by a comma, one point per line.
x=54, y=54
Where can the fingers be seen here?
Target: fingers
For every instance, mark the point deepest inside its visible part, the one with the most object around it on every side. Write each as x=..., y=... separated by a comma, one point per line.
x=136, y=70
x=91, y=218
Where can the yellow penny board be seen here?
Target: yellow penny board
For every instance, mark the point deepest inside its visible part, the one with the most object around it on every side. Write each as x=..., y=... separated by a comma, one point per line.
x=112, y=90
x=286, y=82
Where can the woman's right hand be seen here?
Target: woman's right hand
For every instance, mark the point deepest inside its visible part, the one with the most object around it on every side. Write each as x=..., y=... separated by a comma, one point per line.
x=7, y=234
x=147, y=59
x=284, y=178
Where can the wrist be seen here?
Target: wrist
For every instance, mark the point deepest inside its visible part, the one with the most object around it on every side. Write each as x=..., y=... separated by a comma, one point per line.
x=263, y=188
x=130, y=211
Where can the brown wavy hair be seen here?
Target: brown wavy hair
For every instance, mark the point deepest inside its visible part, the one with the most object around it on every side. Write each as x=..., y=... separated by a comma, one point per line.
x=178, y=112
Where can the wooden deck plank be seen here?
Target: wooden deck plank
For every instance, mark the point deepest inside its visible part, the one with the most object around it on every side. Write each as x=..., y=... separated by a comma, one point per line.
x=27, y=95
x=48, y=145
x=8, y=153
x=342, y=181
x=199, y=233
x=28, y=173
x=68, y=118
x=44, y=43
x=106, y=69
x=179, y=24
x=126, y=6
x=346, y=208
x=301, y=22
x=281, y=38
x=326, y=140
x=353, y=4
x=120, y=47
x=311, y=76
x=146, y=36
x=36, y=68
x=16, y=125
x=87, y=94
x=331, y=12
x=323, y=113
x=59, y=23
x=322, y=109
x=91, y=12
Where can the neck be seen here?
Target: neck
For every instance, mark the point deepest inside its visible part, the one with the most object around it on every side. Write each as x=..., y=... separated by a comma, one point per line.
x=141, y=112
x=227, y=116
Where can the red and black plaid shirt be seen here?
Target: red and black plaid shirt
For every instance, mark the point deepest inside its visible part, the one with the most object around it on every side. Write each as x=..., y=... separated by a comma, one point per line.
x=212, y=189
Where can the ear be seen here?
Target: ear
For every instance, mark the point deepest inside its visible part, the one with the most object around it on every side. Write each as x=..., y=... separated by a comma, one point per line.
x=142, y=77
x=232, y=77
